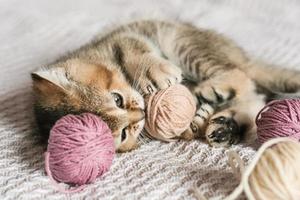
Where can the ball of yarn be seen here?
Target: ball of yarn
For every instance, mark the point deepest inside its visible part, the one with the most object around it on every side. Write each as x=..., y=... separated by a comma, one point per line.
x=274, y=172
x=170, y=112
x=279, y=118
x=80, y=149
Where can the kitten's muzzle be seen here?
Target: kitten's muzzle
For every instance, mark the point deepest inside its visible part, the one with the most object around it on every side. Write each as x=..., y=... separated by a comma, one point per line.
x=136, y=115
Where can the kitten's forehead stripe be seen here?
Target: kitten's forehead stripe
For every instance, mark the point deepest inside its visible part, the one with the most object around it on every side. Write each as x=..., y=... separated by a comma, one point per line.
x=119, y=59
x=108, y=77
x=126, y=74
x=118, y=54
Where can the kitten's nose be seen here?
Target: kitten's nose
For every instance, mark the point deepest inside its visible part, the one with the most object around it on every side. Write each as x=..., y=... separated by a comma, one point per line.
x=136, y=115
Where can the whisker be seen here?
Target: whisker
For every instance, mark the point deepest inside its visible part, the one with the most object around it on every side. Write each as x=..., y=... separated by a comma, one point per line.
x=144, y=137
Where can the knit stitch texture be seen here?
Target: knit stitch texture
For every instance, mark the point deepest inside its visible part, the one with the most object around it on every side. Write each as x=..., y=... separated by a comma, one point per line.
x=34, y=33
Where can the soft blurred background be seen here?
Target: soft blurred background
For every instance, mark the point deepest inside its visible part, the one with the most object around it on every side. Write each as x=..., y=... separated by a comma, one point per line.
x=35, y=32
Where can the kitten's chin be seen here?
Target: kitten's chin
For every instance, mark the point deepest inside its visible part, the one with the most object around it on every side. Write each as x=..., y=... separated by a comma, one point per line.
x=131, y=141
x=128, y=146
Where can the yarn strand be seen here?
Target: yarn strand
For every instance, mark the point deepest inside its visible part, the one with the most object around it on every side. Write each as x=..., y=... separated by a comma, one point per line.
x=250, y=185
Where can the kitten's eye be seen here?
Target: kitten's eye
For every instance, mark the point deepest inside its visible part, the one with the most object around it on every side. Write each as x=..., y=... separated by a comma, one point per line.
x=118, y=99
x=123, y=135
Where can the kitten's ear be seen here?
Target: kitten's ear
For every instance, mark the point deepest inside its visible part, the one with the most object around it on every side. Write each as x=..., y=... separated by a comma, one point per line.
x=50, y=81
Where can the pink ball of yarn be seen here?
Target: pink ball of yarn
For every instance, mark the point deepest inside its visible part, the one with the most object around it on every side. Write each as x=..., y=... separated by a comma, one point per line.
x=80, y=149
x=170, y=112
x=279, y=118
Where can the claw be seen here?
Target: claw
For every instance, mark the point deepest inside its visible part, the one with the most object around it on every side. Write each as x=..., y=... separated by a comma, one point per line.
x=150, y=89
x=169, y=82
x=226, y=132
x=212, y=135
x=231, y=141
x=219, y=120
x=193, y=127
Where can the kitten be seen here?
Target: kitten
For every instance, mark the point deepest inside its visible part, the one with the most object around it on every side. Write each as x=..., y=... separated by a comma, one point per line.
x=111, y=76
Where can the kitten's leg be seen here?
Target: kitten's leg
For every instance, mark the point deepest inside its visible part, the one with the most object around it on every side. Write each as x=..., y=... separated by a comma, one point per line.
x=223, y=129
x=228, y=106
x=236, y=102
x=144, y=68
x=211, y=99
x=228, y=126
x=159, y=73
x=199, y=123
x=236, y=123
x=212, y=95
x=274, y=78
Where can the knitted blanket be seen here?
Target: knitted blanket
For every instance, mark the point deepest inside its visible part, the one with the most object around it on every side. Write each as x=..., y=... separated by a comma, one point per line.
x=34, y=33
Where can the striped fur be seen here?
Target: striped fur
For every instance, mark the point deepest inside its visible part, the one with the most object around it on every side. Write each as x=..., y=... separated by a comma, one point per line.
x=141, y=57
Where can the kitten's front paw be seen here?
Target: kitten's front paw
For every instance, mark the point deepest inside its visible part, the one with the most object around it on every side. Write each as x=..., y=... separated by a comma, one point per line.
x=222, y=132
x=160, y=77
x=199, y=123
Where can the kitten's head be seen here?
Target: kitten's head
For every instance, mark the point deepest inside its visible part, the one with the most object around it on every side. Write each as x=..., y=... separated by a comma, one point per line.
x=77, y=87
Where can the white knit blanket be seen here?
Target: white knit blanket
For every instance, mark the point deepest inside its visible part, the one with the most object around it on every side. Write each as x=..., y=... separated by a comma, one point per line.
x=33, y=33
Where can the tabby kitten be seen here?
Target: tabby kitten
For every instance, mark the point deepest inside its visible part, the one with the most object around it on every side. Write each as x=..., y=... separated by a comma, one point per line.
x=111, y=76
